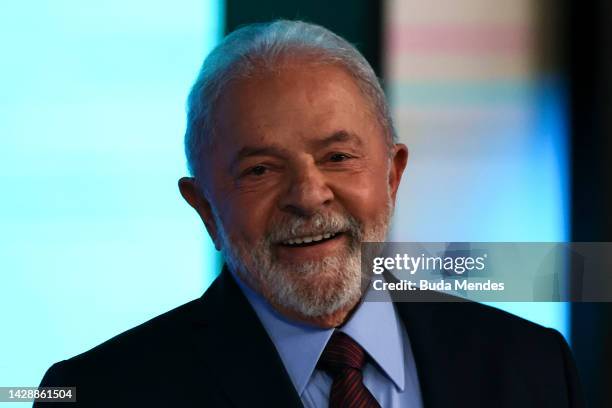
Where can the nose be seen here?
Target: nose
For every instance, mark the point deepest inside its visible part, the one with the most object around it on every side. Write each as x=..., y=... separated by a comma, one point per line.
x=308, y=191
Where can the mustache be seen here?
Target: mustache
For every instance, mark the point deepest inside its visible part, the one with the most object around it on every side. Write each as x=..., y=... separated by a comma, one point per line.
x=317, y=224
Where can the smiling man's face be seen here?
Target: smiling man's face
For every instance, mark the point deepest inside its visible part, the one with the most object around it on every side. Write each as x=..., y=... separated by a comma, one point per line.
x=299, y=174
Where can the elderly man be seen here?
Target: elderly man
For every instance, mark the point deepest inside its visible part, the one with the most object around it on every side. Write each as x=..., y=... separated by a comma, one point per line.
x=294, y=164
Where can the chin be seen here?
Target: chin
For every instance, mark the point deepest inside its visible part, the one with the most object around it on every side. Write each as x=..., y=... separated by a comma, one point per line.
x=316, y=291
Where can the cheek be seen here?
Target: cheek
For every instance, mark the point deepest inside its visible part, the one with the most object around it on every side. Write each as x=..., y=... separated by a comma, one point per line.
x=246, y=216
x=365, y=197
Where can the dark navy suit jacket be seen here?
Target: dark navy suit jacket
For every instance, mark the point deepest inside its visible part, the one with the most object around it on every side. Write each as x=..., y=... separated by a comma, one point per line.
x=213, y=352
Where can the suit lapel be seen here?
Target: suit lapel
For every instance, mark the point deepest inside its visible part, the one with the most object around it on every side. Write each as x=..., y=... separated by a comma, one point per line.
x=236, y=346
x=429, y=345
x=432, y=339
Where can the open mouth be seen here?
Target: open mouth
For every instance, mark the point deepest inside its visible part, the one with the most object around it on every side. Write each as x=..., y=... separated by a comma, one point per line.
x=310, y=240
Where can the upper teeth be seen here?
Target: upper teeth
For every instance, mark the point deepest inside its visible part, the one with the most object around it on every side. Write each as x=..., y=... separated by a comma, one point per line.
x=306, y=240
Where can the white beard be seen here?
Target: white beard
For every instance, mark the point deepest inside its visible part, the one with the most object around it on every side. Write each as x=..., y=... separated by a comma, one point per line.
x=310, y=289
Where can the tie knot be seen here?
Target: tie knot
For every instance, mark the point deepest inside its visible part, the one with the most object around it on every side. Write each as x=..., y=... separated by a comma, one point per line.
x=340, y=353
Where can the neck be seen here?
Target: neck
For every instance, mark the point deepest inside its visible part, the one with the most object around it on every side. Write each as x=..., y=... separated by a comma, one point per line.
x=328, y=321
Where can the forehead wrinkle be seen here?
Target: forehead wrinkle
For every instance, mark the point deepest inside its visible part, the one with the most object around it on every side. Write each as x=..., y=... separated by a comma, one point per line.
x=338, y=136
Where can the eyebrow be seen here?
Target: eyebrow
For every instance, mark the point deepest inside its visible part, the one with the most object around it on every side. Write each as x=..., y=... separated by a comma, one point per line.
x=250, y=151
x=338, y=136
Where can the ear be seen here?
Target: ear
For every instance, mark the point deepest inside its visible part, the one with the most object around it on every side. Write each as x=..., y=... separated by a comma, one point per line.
x=399, y=159
x=196, y=198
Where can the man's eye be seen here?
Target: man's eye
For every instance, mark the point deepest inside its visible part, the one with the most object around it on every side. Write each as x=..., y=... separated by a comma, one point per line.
x=338, y=157
x=257, y=171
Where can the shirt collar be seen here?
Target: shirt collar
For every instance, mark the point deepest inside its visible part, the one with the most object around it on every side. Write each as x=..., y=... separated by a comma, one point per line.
x=374, y=325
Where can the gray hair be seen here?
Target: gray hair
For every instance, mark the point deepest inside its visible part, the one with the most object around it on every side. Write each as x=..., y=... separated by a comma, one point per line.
x=258, y=46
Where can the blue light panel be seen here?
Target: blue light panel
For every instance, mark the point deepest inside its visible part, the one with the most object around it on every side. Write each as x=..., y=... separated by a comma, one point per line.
x=94, y=235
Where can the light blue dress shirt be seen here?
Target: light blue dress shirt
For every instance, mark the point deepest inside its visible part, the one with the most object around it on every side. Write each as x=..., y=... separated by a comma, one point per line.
x=374, y=325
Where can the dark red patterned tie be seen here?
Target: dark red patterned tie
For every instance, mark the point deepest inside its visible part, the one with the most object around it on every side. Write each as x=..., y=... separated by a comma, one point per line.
x=343, y=359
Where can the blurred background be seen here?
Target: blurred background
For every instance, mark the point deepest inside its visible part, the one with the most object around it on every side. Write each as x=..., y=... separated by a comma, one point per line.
x=505, y=107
